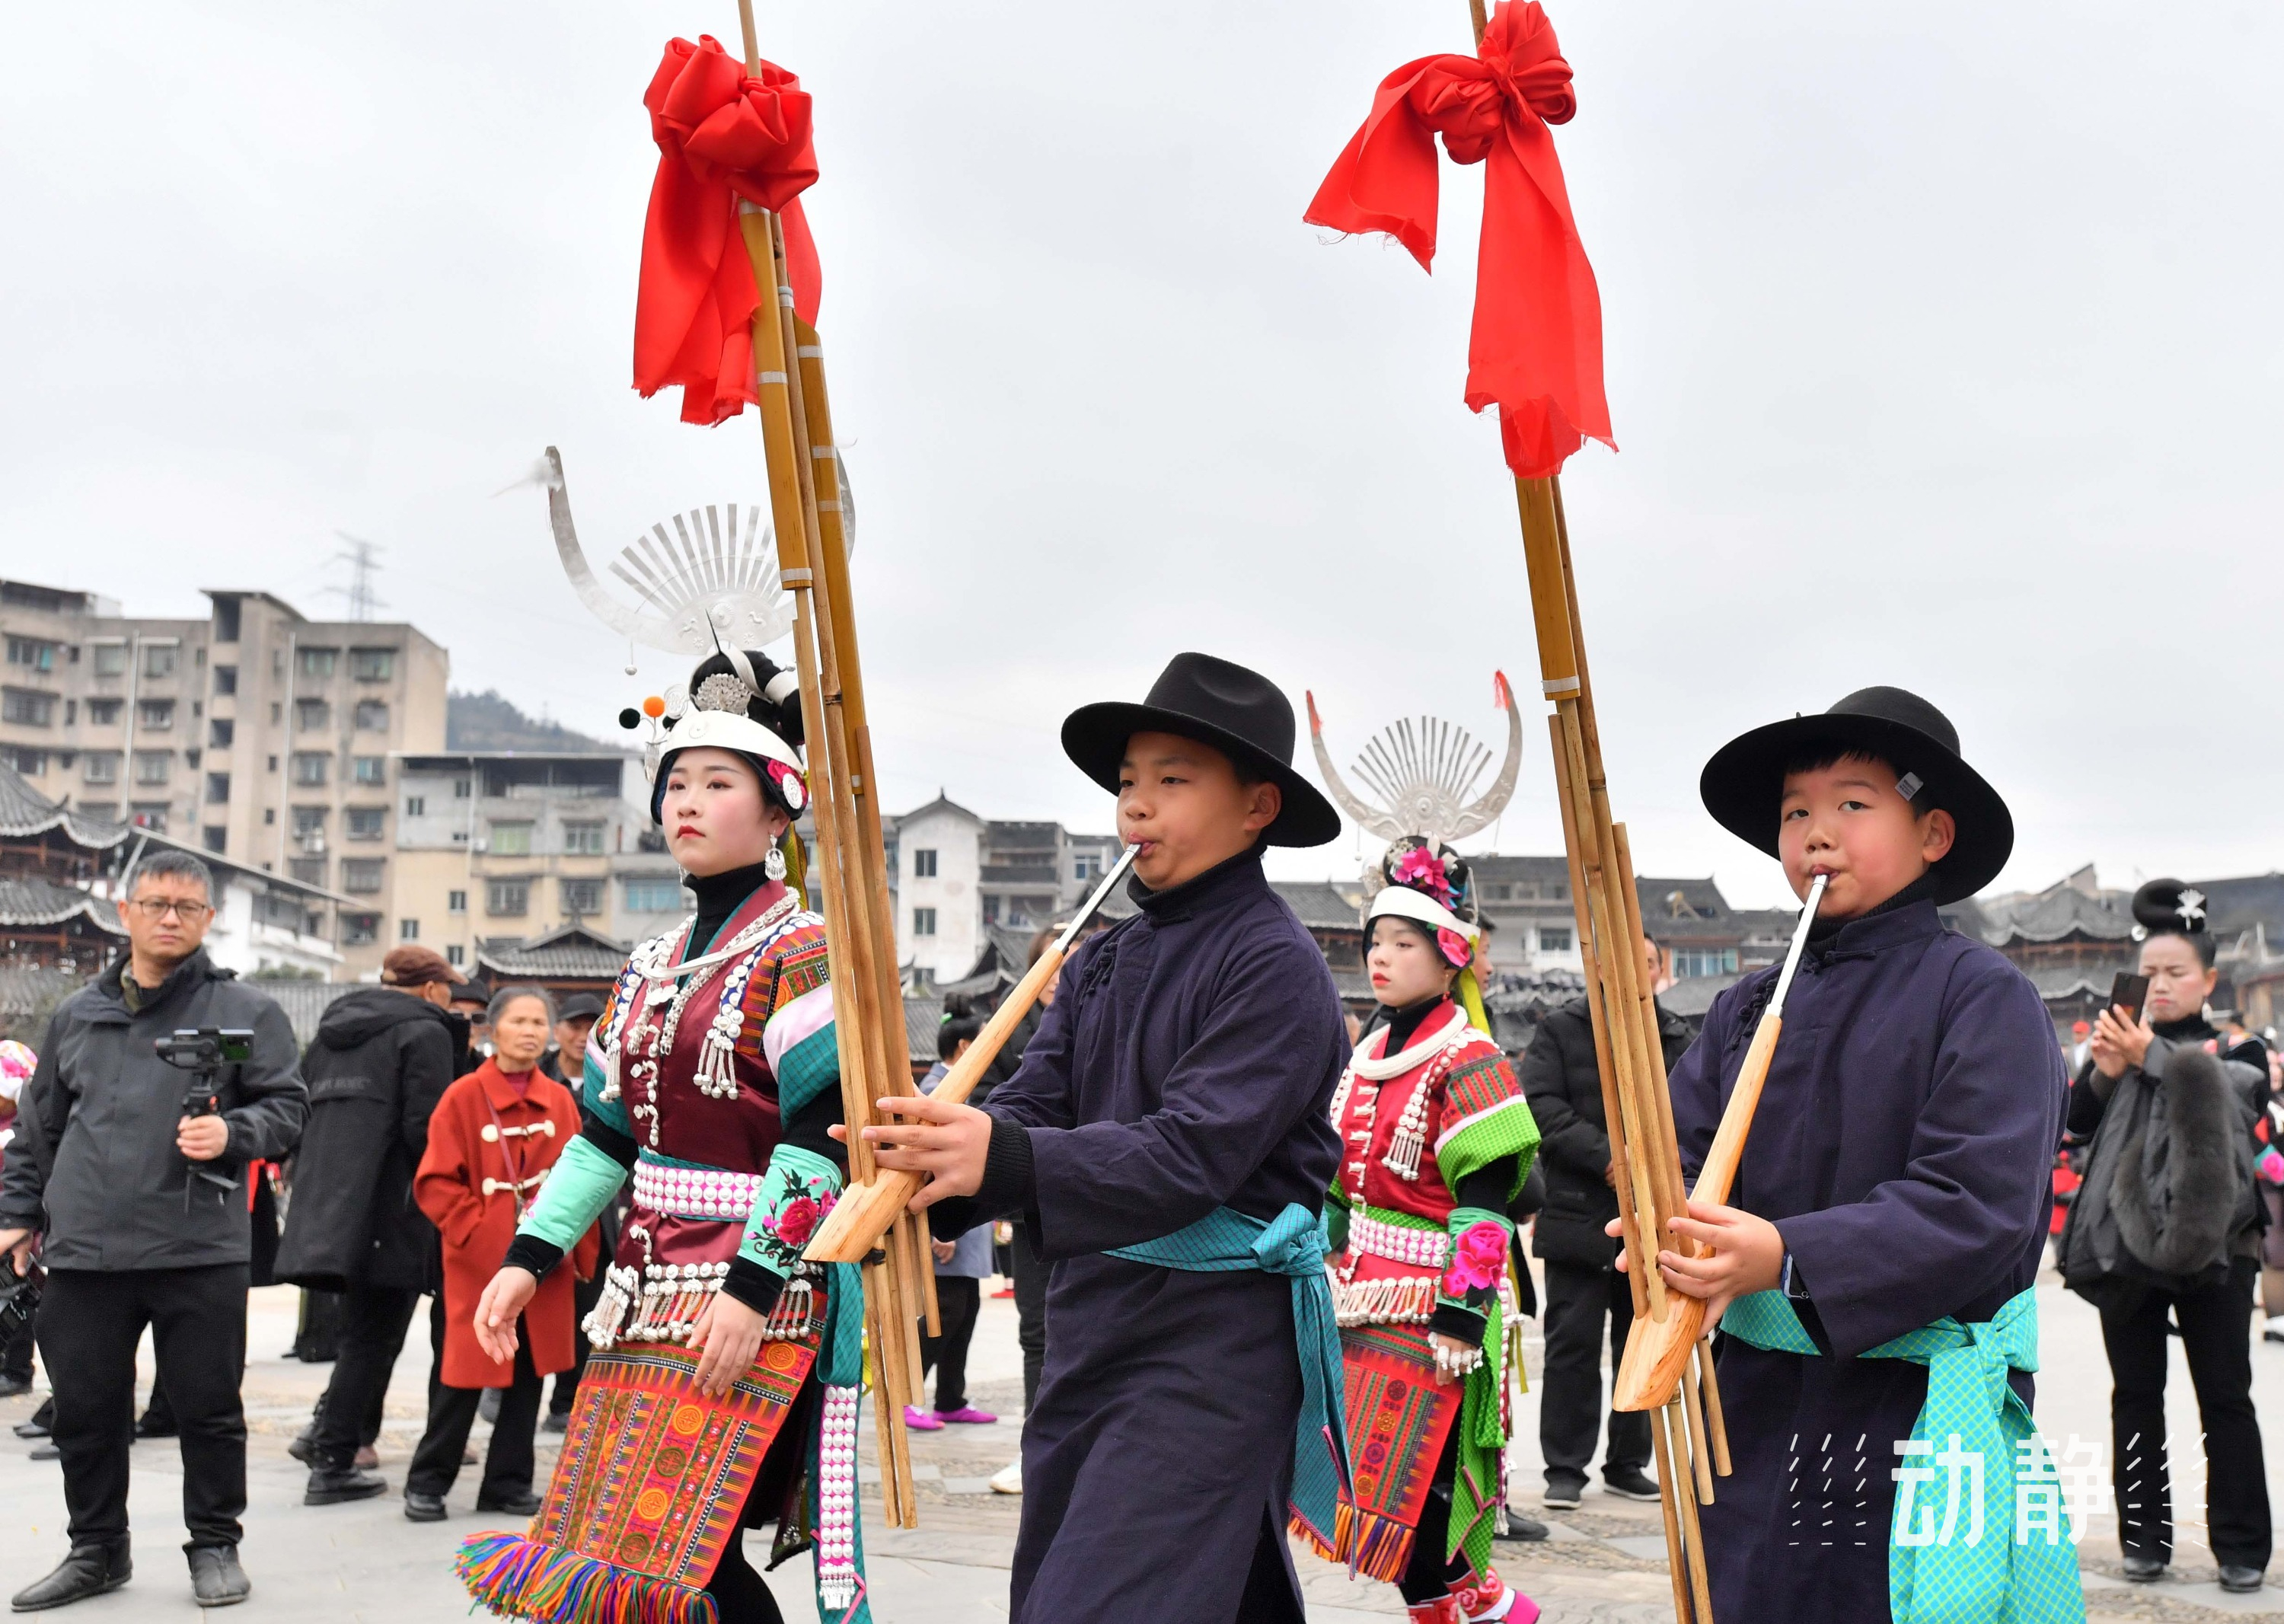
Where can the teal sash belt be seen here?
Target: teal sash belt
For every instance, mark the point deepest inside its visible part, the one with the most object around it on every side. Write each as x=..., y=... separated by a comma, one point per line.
x=1292, y=1245
x=1979, y=1567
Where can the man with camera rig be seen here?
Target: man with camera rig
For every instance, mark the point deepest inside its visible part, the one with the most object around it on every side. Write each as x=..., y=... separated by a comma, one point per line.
x=158, y=1082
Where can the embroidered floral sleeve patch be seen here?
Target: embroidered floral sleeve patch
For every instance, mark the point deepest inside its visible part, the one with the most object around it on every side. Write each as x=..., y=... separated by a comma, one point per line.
x=797, y=1191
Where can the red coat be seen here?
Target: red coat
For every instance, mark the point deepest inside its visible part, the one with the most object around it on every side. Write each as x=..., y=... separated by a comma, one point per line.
x=482, y=1122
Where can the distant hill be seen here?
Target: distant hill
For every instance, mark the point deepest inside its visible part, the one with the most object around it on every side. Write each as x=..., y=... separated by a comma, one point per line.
x=486, y=721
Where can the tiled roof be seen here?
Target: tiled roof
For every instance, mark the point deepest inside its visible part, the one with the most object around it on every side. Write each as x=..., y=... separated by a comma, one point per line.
x=2054, y=915
x=29, y=990
x=24, y=812
x=1321, y=907
x=27, y=902
x=305, y=1003
x=572, y=954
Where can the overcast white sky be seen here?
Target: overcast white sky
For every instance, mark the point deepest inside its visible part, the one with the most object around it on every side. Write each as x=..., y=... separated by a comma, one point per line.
x=1943, y=346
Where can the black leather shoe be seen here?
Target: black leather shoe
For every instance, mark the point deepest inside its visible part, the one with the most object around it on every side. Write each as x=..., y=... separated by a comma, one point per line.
x=556, y=1421
x=41, y=1419
x=1632, y=1483
x=14, y=1386
x=423, y=1508
x=523, y=1504
x=1528, y=1529
x=90, y=1570
x=2243, y=1581
x=160, y=1427
x=216, y=1580
x=300, y=1447
x=46, y=1452
x=2144, y=1570
x=333, y=1485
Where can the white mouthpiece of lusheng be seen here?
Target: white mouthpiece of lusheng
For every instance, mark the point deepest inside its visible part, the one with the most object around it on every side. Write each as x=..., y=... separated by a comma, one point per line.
x=1094, y=904
x=1799, y=943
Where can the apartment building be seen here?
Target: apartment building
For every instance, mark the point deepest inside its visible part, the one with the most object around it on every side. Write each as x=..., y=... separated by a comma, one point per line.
x=497, y=849
x=253, y=733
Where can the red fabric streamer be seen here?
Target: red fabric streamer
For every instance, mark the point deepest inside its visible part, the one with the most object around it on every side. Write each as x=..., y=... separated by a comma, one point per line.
x=1536, y=350
x=722, y=136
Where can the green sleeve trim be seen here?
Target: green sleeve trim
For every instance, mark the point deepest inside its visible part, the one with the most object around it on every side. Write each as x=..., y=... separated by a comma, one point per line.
x=808, y=1069
x=1508, y=1129
x=797, y=1191
x=613, y=1110
x=579, y=1186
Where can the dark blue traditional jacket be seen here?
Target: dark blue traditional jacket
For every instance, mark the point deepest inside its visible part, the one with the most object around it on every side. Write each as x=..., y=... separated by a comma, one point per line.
x=1188, y=1063
x=1902, y=1147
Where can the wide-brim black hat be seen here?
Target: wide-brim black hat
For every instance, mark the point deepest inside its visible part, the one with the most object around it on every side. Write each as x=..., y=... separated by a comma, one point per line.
x=1743, y=784
x=1240, y=713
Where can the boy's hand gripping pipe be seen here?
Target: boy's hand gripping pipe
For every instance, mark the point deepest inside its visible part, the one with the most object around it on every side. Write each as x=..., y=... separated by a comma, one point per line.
x=1658, y=1350
x=865, y=1211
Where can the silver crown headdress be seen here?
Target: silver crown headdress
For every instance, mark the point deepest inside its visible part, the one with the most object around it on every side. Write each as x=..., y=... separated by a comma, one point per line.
x=1424, y=772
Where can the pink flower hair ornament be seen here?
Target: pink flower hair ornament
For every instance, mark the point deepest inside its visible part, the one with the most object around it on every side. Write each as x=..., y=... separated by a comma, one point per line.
x=1478, y=1259
x=1456, y=948
x=1422, y=869
x=788, y=784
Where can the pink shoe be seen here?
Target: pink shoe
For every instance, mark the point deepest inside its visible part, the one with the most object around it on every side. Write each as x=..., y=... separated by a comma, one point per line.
x=967, y=1415
x=922, y=1420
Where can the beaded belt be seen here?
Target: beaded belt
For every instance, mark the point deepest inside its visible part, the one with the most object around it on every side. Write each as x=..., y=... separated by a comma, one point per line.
x=1399, y=1242
x=696, y=1192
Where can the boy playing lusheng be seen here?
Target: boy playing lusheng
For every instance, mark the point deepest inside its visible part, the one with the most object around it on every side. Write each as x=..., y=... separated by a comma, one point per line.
x=1896, y=1179
x=1166, y=1139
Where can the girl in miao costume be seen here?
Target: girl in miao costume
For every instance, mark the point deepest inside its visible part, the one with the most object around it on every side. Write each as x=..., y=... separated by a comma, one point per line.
x=723, y=1389
x=1436, y=1142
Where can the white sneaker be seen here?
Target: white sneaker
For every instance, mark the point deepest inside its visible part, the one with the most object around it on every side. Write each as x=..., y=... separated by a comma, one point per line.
x=2274, y=1331
x=1008, y=1479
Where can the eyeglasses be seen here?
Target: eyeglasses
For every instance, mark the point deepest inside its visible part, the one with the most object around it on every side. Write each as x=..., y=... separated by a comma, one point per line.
x=159, y=907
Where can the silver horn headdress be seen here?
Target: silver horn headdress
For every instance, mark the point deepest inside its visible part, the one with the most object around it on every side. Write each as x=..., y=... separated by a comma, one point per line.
x=1424, y=771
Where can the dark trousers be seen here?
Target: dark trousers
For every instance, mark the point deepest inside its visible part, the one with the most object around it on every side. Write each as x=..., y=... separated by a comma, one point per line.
x=452, y=1411
x=90, y=1321
x=374, y=1322
x=1579, y=1302
x=16, y=1355
x=2217, y=1335
x=1429, y=1574
x=957, y=1302
x=1030, y=1311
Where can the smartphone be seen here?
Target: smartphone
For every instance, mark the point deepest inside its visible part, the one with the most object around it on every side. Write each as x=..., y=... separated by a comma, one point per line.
x=2129, y=990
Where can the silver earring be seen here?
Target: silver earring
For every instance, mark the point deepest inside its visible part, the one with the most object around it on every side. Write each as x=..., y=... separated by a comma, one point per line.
x=773, y=866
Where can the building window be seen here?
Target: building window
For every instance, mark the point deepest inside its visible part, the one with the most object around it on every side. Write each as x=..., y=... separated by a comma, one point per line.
x=225, y=620
x=581, y=840
x=408, y=930
x=312, y=715
x=652, y=893
x=32, y=654
x=159, y=658
x=149, y=814
x=318, y=663
x=508, y=898
x=1087, y=865
x=360, y=930
x=154, y=766
x=217, y=839
x=31, y=763
x=370, y=769
x=99, y=767
x=218, y=789
x=309, y=821
x=372, y=665
x=105, y=713
x=455, y=901
x=924, y=862
x=372, y=715
x=156, y=714
x=1689, y=962
x=991, y=909
x=111, y=660
x=28, y=708
x=102, y=811
x=923, y=921
x=460, y=789
x=512, y=840
x=308, y=870
x=226, y=676
x=582, y=896
x=1553, y=939
x=361, y=875
x=310, y=768
x=222, y=732
x=456, y=955
x=364, y=823
x=416, y=806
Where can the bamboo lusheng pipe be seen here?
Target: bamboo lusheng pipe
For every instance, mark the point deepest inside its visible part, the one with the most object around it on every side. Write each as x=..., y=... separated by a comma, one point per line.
x=1702, y=1361
x=1657, y=1351
x=1677, y=1562
x=865, y=1212
x=1693, y=1541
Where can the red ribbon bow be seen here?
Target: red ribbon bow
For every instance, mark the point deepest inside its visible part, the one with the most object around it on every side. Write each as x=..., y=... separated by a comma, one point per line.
x=1536, y=350
x=722, y=136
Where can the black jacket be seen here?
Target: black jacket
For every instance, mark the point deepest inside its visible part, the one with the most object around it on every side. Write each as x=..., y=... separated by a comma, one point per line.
x=1565, y=1090
x=381, y=1061
x=94, y=1161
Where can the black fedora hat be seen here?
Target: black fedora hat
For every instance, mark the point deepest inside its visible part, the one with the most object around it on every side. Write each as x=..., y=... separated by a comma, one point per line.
x=1240, y=713
x=1743, y=784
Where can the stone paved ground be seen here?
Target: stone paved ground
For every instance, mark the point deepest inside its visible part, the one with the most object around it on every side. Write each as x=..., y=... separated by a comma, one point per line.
x=365, y=1562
